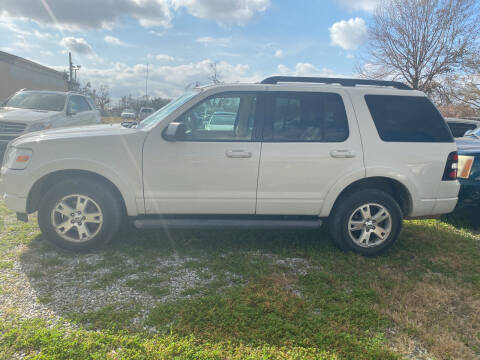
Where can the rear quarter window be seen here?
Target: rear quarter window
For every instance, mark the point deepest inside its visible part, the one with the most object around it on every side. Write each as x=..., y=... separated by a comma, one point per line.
x=407, y=119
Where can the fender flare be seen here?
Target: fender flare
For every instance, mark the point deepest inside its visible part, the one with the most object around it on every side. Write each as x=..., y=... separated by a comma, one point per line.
x=339, y=187
x=93, y=167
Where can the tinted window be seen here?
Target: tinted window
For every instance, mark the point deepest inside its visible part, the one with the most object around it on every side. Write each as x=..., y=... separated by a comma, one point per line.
x=78, y=104
x=306, y=117
x=37, y=101
x=223, y=117
x=459, y=129
x=407, y=119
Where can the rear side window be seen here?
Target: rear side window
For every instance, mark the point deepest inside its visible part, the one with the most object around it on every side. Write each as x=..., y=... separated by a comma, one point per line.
x=305, y=117
x=407, y=119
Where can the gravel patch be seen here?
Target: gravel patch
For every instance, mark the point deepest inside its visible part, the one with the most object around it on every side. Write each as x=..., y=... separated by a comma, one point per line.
x=52, y=284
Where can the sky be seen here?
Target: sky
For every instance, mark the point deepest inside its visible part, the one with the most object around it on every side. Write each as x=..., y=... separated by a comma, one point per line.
x=114, y=40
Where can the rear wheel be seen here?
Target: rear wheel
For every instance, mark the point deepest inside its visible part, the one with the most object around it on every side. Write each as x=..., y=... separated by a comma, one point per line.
x=79, y=214
x=366, y=221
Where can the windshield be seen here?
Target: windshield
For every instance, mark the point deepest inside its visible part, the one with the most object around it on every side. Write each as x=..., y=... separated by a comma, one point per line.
x=37, y=101
x=161, y=114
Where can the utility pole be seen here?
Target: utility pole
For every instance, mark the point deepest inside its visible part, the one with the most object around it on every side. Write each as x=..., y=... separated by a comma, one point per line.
x=70, y=68
x=146, y=85
x=72, y=82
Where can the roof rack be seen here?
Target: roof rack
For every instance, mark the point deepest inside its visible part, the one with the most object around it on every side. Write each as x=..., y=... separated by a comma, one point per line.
x=341, y=81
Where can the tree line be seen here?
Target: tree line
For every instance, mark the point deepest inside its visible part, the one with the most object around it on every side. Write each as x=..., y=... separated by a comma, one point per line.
x=103, y=101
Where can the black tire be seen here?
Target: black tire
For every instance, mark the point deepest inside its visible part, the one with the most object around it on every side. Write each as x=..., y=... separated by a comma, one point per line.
x=100, y=193
x=345, y=209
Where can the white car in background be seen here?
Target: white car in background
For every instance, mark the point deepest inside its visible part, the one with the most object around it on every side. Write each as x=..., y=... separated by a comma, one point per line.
x=33, y=110
x=128, y=114
x=145, y=112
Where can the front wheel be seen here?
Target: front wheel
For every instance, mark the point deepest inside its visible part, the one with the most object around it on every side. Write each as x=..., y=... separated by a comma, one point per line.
x=79, y=214
x=366, y=221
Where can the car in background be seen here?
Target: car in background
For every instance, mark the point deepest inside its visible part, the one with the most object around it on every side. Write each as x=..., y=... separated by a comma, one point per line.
x=128, y=114
x=145, y=112
x=460, y=126
x=469, y=170
x=221, y=121
x=33, y=110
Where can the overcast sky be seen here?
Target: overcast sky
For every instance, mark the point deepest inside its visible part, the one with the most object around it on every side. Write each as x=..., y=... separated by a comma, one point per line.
x=113, y=40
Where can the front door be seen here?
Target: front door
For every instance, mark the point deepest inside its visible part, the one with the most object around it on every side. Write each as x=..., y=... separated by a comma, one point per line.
x=214, y=169
x=78, y=111
x=310, y=142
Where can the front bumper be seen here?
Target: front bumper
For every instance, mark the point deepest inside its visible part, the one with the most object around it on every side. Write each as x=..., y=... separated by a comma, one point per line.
x=12, y=189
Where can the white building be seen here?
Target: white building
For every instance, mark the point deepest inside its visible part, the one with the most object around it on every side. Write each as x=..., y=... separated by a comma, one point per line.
x=18, y=73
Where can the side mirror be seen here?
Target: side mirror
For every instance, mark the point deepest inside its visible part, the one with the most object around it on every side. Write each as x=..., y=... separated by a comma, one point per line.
x=70, y=112
x=175, y=131
x=468, y=132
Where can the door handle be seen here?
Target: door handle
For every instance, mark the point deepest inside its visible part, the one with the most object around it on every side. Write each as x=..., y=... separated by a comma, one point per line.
x=237, y=154
x=342, y=154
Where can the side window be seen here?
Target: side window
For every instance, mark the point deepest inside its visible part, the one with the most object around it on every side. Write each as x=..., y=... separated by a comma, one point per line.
x=407, y=119
x=223, y=117
x=306, y=117
x=78, y=104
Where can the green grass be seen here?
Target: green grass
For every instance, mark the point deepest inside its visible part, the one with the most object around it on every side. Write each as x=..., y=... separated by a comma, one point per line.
x=250, y=294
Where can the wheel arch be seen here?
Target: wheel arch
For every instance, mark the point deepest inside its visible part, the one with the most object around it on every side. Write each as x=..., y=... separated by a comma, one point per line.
x=41, y=186
x=399, y=191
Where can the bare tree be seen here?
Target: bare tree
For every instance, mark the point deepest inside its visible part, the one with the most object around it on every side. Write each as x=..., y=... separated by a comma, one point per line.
x=422, y=42
x=102, y=97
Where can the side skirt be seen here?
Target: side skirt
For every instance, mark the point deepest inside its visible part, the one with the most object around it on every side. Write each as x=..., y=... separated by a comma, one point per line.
x=228, y=222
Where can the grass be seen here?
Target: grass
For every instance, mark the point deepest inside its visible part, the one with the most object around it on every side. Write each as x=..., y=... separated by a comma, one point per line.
x=243, y=295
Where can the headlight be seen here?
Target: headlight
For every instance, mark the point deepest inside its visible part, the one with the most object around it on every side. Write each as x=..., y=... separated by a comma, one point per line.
x=40, y=126
x=17, y=158
x=465, y=164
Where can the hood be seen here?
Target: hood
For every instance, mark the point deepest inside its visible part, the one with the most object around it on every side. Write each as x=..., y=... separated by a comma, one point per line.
x=25, y=115
x=73, y=132
x=468, y=144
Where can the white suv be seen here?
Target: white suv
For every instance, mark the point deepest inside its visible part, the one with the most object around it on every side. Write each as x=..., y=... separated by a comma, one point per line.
x=34, y=110
x=361, y=154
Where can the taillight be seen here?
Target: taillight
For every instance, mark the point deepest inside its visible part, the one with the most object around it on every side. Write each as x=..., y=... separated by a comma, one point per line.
x=451, y=167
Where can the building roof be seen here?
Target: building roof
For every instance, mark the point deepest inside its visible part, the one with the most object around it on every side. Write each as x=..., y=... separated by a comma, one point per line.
x=13, y=59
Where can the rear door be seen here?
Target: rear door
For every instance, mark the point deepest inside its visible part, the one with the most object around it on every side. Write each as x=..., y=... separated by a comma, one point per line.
x=310, y=142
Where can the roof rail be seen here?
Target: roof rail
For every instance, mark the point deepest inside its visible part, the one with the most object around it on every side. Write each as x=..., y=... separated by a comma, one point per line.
x=341, y=81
